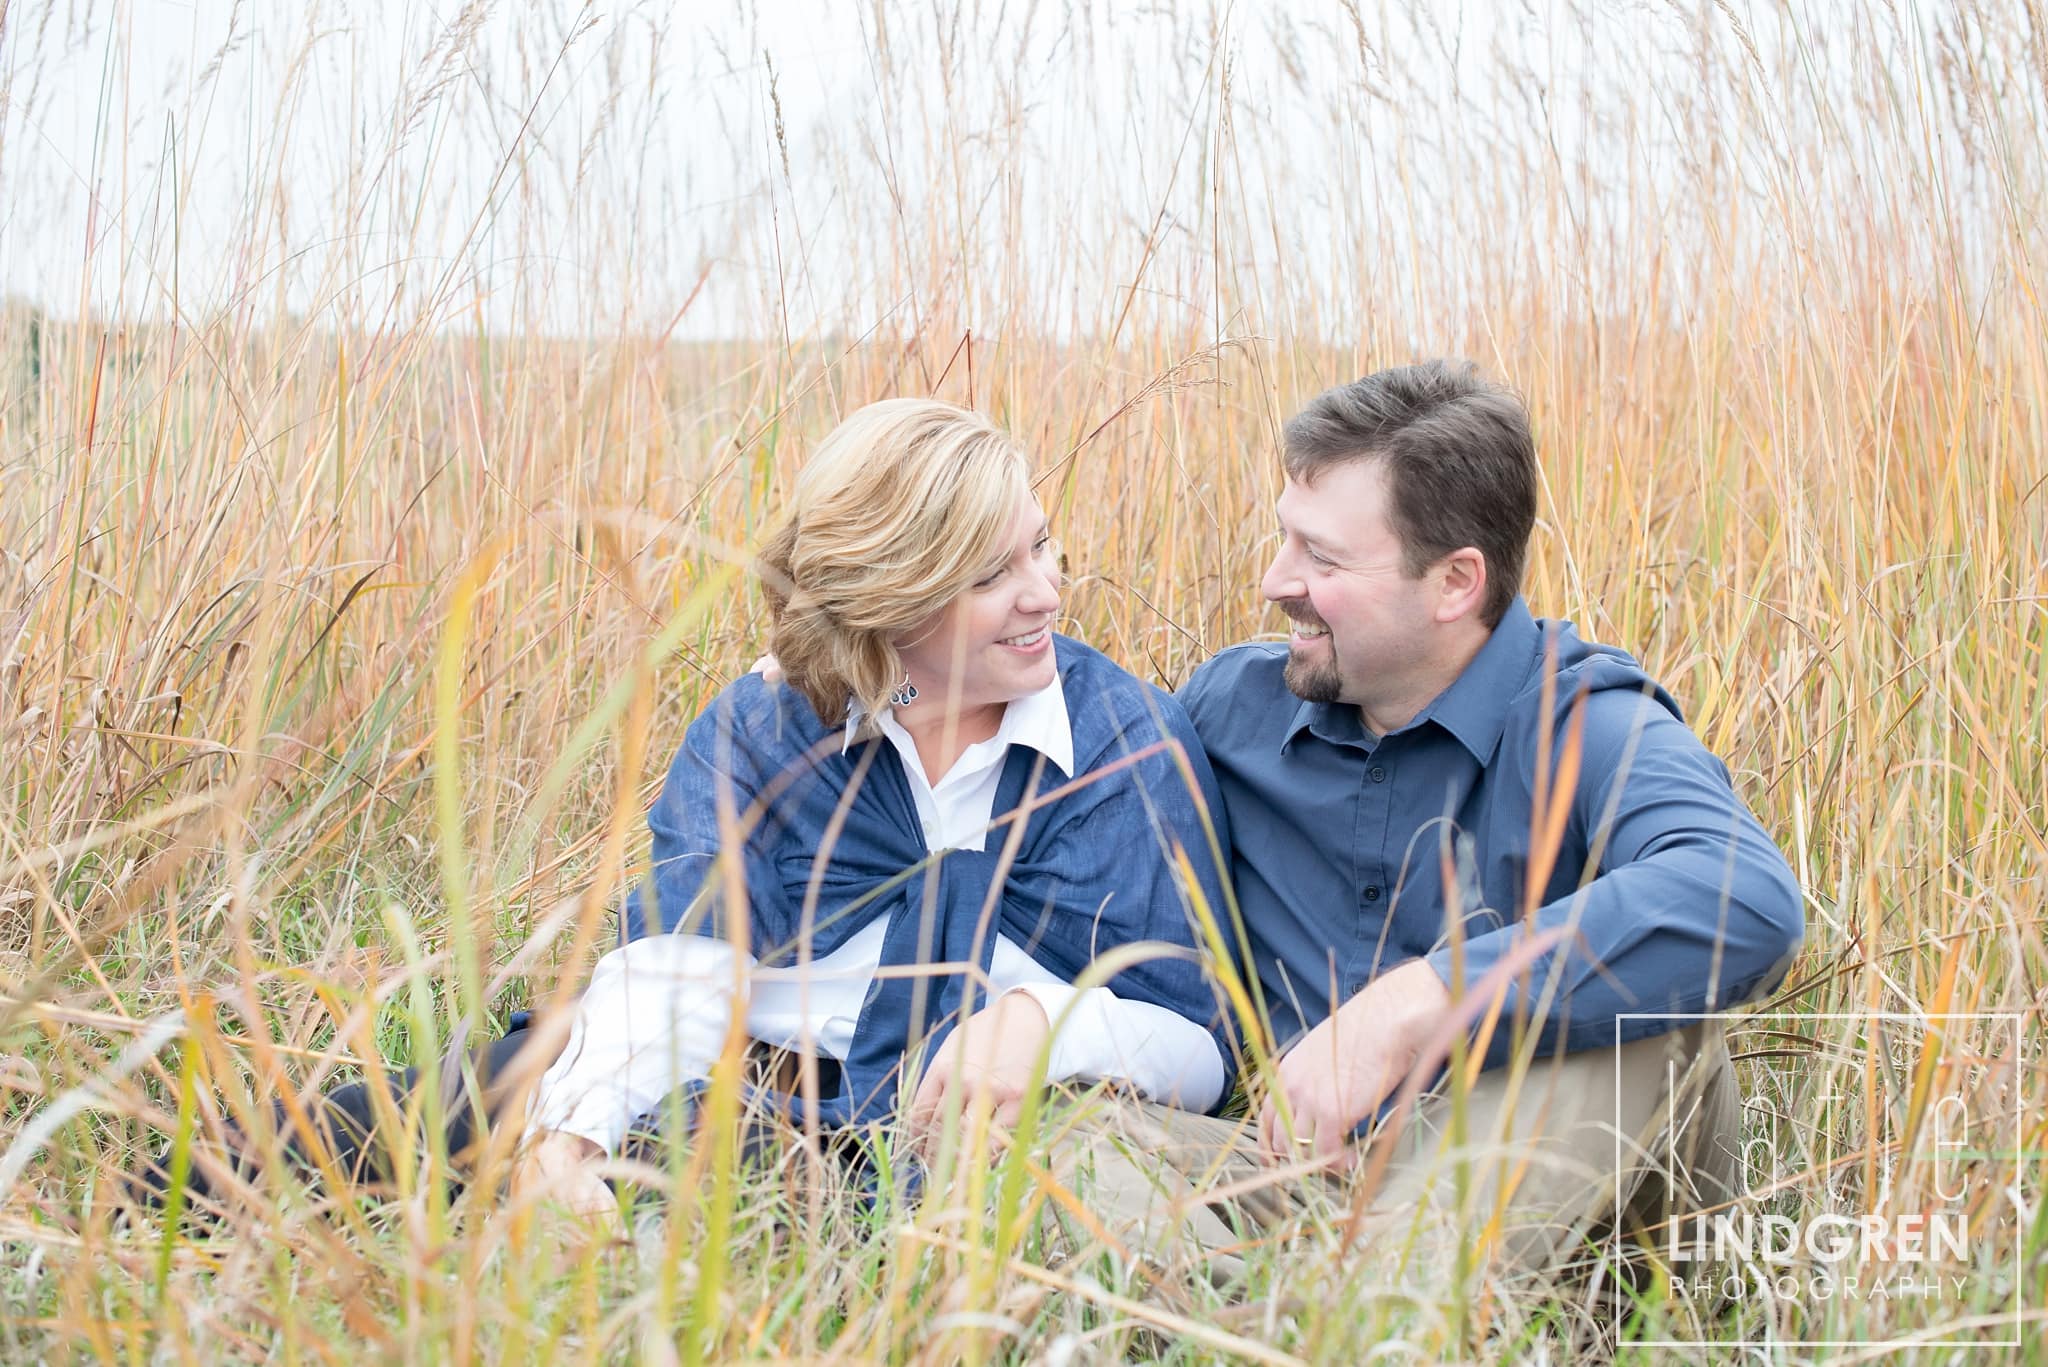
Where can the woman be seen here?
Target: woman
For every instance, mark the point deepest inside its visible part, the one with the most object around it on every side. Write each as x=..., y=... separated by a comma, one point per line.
x=932, y=826
x=938, y=779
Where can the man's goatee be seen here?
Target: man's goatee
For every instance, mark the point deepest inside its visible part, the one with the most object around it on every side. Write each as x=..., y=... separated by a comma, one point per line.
x=1311, y=682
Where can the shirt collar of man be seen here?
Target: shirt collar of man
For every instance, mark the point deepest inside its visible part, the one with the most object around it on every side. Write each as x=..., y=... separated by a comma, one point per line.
x=1473, y=709
x=1036, y=720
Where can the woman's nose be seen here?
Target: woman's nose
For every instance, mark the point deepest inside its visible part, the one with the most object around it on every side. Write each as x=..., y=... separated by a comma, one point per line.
x=1041, y=590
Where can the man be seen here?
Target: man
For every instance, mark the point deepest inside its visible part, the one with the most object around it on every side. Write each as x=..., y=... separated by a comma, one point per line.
x=1444, y=810
x=1420, y=722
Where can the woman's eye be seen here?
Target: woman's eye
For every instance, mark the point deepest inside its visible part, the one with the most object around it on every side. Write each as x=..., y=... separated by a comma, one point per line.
x=988, y=582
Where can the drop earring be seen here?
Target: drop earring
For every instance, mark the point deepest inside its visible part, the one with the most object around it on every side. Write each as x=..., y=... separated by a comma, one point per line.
x=905, y=693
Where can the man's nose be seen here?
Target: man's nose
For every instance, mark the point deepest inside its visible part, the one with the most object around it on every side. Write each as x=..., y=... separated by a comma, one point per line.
x=1282, y=583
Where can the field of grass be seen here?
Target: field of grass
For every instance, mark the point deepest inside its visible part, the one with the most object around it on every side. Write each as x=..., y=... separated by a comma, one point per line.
x=347, y=629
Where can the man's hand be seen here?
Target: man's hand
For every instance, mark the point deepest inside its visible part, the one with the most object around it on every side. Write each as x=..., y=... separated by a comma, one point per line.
x=1340, y=1072
x=560, y=1168
x=769, y=668
x=989, y=1061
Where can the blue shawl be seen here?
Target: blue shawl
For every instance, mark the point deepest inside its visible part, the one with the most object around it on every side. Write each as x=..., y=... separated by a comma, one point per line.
x=1094, y=867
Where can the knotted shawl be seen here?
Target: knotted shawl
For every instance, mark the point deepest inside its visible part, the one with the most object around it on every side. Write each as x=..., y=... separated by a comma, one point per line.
x=828, y=840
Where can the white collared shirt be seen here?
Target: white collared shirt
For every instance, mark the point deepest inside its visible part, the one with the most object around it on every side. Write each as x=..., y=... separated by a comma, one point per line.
x=955, y=812
x=654, y=1016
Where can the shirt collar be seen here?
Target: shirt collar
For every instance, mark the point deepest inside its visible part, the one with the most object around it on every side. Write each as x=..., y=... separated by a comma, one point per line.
x=1473, y=709
x=1337, y=723
x=1038, y=721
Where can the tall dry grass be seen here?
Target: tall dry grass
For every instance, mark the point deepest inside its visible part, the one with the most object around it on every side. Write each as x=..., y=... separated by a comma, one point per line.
x=346, y=629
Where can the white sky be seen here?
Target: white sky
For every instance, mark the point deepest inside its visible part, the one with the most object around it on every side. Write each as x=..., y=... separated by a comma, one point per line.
x=581, y=168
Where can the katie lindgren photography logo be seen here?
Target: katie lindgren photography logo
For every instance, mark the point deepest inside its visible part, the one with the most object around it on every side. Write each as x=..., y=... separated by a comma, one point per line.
x=1865, y=1189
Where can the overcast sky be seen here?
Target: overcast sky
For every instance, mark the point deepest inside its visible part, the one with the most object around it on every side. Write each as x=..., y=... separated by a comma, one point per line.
x=590, y=167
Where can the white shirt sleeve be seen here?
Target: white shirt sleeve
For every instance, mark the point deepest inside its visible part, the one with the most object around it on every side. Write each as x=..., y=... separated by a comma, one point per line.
x=1099, y=1036
x=653, y=1018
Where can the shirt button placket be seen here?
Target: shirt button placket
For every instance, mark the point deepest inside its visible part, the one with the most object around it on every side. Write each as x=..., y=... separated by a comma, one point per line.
x=1375, y=810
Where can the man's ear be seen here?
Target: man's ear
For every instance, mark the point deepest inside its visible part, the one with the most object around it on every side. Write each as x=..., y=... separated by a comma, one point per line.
x=1461, y=587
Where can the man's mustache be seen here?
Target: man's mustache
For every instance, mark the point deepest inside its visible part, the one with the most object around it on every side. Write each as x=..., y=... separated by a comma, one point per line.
x=1297, y=609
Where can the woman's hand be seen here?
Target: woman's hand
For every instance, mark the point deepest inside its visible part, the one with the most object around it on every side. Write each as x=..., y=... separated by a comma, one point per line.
x=560, y=1168
x=989, y=1062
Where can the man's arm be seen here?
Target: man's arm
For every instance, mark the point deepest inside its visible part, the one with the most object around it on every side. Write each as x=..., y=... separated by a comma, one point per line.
x=1693, y=907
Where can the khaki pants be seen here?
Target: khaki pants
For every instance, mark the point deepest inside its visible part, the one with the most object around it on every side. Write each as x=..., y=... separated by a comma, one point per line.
x=1553, y=1156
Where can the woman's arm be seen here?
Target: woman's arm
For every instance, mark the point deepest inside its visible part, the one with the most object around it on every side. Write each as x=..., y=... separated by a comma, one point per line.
x=657, y=1009
x=654, y=1018
x=1101, y=1037
x=1142, y=850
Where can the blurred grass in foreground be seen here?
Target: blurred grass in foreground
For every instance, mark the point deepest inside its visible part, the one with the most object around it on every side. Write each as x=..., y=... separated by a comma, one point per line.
x=340, y=653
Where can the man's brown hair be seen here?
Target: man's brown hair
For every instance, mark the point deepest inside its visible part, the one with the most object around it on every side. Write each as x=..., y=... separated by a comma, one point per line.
x=1457, y=454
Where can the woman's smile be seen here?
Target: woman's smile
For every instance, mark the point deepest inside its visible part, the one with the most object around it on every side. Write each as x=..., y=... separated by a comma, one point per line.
x=1031, y=642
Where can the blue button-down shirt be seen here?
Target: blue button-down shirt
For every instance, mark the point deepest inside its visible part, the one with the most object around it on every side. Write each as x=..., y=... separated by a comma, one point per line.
x=1674, y=897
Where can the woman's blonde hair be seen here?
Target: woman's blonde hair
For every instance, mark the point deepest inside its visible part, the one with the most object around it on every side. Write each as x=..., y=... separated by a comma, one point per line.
x=904, y=505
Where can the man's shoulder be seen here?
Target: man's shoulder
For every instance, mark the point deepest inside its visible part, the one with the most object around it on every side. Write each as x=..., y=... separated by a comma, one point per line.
x=1239, y=688
x=1591, y=668
x=1620, y=705
x=1257, y=665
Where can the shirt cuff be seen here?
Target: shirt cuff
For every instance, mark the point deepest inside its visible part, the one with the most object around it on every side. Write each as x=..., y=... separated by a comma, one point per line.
x=653, y=1018
x=1103, y=1037
x=1062, y=1064
x=596, y=1112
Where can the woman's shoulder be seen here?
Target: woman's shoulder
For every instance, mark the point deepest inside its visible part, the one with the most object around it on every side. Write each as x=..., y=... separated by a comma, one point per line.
x=1086, y=670
x=763, y=716
x=1108, y=706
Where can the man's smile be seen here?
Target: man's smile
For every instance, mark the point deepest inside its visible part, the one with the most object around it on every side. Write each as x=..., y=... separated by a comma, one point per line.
x=1307, y=626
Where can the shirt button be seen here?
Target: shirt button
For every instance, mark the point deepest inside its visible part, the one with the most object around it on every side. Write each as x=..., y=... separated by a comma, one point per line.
x=1379, y=774
x=1372, y=894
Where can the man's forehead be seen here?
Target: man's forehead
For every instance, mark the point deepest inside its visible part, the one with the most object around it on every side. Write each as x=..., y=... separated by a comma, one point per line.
x=1336, y=505
x=1317, y=499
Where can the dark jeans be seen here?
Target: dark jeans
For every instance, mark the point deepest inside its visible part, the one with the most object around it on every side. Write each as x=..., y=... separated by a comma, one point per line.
x=353, y=1146
x=346, y=1138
